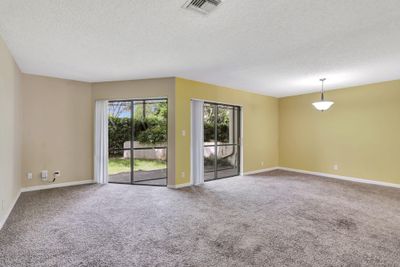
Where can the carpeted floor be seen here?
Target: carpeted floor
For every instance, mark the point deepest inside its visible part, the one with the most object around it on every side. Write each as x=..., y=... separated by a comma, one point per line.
x=275, y=219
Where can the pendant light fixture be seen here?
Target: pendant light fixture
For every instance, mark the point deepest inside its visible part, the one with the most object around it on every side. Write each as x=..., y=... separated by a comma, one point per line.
x=323, y=104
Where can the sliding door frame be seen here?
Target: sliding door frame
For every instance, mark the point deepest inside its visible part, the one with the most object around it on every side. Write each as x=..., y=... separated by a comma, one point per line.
x=237, y=142
x=132, y=146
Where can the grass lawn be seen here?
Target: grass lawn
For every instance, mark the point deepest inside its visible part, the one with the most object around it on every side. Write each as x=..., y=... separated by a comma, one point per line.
x=118, y=165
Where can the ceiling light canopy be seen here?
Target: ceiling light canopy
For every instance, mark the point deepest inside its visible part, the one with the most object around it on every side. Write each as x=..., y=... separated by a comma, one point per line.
x=323, y=104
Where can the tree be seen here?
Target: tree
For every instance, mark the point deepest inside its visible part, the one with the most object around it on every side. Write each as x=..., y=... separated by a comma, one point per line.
x=118, y=109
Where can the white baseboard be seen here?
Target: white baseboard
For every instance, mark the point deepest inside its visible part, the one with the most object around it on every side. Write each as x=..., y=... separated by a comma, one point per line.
x=49, y=186
x=341, y=177
x=260, y=171
x=326, y=175
x=8, y=212
x=179, y=186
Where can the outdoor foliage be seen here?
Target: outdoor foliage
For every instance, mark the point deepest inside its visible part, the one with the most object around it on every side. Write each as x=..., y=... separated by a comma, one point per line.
x=222, y=122
x=150, y=125
x=119, y=131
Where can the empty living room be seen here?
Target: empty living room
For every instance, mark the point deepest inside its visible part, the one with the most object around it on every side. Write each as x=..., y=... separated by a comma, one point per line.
x=199, y=133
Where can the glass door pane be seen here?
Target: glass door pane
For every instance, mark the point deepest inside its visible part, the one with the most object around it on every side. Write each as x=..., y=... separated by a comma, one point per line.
x=150, y=166
x=228, y=151
x=209, y=124
x=119, y=141
x=150, y=142
x=209, y=163
x=119, y=166
x=209, y=112
x=228, y=161
x=225, y=125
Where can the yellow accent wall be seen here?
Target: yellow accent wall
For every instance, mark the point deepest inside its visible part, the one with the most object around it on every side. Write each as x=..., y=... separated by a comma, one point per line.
x=360, y=133
x=260, y=124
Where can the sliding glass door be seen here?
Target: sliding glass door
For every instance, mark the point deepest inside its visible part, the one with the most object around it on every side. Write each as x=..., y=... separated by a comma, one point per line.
x=221, y=141
x=138, y=141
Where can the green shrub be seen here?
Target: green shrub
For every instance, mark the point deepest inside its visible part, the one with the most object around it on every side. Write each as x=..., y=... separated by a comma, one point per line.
x=148, y=130
x=119, y=131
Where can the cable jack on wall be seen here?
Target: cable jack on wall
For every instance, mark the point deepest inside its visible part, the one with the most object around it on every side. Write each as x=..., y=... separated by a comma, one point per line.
x=55, y=175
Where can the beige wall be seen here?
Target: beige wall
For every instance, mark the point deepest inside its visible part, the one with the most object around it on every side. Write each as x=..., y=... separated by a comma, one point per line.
x=58, y=123
x=57, y=129
x=260, y=124
x=10, y=132
x=360, y=133
x=149, y=88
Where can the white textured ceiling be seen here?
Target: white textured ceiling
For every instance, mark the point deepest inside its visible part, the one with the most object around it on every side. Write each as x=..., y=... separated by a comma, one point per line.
x=275, y=47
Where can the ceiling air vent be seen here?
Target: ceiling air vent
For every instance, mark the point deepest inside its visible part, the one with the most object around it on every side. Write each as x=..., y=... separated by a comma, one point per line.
x=203, y=6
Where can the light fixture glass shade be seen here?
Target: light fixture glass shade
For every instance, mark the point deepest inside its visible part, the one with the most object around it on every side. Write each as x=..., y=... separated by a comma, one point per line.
x=322, y=105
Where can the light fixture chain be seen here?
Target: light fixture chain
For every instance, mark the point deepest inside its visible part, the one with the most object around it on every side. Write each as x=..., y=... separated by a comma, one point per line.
x=322, y=89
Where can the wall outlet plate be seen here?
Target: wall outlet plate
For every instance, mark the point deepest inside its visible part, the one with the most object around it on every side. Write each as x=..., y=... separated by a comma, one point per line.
x=336, y=167
x=29, y=176
x=44, y=175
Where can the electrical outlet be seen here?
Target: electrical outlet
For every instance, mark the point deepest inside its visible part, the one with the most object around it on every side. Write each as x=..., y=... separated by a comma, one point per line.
x=44, y=175
x=29, y=176
x=336, y=167
x=183, y=174
x=262, y=163
x=183, y=133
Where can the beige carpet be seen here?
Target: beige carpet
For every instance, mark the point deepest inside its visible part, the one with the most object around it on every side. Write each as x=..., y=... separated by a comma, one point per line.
x=278, y=219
